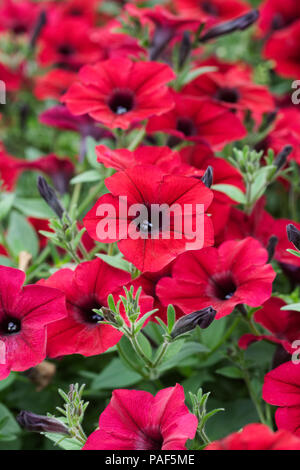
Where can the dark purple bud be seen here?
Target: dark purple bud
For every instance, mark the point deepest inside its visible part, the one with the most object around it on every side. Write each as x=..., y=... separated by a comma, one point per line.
x=281, y=158
x=208, y=176
x=293, y=235
x=38, y=423
x=48, y=194
x=202, y=318
x=271, y=247
x=185, y=49
x=161, y=38
x=40, y=23
x=237, y=24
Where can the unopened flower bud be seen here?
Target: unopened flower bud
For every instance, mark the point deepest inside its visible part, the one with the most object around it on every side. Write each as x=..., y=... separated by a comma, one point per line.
x=208, y=176
x=185, y=49
x=40, y=23
x=49, y=195
x=39, y=423
x=272, y=243
x=293, y=235
x=281, y=158
x=237, y=24
x=111, y=317
x=161, y=38
x=202, y=318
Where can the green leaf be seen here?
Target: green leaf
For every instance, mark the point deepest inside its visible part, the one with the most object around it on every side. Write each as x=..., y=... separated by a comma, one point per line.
x=231, y=372
x=171, y=315
x=115, y=375
x=63, y=442
x=115, y=261
x=8, y=381
x=21, y=236
x=294, y=252
x=5, y=261
x=145, y=345
x=193, y=74
x=214, y=333
x=90, y=152
x=231, y=191
x=293, y=307
x=6, y=202
x=86, y=177
x=188, y=349
x=33, y=208
x=8, y=425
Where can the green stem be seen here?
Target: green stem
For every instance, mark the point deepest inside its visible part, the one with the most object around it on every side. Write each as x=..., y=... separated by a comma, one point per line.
x=135, y=344
x=130, y=363
x=226, y=336
x=253, y=397
x=90, y=198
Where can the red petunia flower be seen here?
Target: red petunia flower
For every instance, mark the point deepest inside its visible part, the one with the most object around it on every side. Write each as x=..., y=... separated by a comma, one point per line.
x=212, y=11
x=59, y=169
x=61, y=118
x=275, y=14
x=199, y=120
x=150, y=244
x=257, y=436
x=18, y=17
x=283, y=48
x=68, y=44
x=53, y=84
x=135, y=420
x=25, y=313
x=234, y=89
x=283, y=325
x=11, y=78
x=286, y=129
x=119, y=92
x=233, y=274
x=121, y=159
x=87, y=288
x=282, y=388
x=74, y=9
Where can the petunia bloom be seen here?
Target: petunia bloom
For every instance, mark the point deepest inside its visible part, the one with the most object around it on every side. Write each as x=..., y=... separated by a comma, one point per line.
x=282, y=388
x=235, y=273
x=199, y=120
x=24, y=315
x=136, y=420
x=120, y=92
x=133, y=214
x=68, y=44
x=257, y=436
x=212, y=11
x=275, y=14
x=87, y=288
x=232, y=88
x=283, y=48
x=284, y=325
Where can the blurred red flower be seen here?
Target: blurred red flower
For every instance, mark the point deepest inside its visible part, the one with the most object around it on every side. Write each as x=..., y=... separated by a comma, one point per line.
x=257, y=436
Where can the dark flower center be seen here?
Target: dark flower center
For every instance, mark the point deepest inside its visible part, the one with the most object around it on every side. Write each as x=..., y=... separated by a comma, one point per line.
x=84, y=310
x=76, y=11
x=121, y=101
x=186, y=126
x=222, y=286
x=209, y=8
x=150, y=439
x=152, y=223
x=66, y=49
x=19, y=29
x=230, y=95
x=10, y=326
